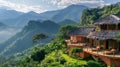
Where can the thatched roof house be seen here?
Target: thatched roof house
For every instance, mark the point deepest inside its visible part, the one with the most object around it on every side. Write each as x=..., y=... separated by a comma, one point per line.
x=111, y=19
x=104, y=35
x=82, y=31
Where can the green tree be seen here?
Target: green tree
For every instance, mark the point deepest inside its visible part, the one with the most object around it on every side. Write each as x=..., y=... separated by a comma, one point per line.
x=39, y=36
x=63, y=31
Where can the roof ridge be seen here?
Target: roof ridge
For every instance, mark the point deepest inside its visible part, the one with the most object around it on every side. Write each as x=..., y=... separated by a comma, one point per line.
x=114, y=16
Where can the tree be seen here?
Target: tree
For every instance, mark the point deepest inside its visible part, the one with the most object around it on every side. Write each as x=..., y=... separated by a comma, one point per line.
x=63, y=31
x=38, y=55
x=39, y=37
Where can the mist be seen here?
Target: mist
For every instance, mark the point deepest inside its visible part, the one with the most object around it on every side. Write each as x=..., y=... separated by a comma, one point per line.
x=7, y=33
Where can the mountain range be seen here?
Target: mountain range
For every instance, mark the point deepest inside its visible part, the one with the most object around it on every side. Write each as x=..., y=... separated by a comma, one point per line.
x=14, y=18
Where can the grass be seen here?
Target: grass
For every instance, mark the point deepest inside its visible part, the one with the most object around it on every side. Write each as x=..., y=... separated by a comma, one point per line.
x=67, y=58
x=72, y=60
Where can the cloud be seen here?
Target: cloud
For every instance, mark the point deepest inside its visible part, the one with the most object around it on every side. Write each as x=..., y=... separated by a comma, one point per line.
x=22, y=7
x=64, y=3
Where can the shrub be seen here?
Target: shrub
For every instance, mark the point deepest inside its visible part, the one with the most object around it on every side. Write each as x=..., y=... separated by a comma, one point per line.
x=62, y=60
x=75, y=50
x=94, y=64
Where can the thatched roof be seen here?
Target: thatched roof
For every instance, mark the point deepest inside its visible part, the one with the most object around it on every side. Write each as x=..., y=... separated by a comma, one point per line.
x=103, y=35
x=82, y=31
x=111, y=19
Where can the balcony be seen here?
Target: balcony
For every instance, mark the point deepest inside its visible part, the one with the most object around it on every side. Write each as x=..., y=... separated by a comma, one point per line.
x=106, y=53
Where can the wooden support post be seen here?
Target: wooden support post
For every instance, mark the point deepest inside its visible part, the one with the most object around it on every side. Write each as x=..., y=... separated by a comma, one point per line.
x=105, y=45
x=98, y=42
x=113, y=44
x=119, y=46
x=91, y=42
x=107, y=27
x=116, y=26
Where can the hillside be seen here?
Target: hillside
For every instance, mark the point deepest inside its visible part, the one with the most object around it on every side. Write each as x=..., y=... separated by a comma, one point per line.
x=2, y=26
x=23, y=40
x=97, y=13
x=67, y=22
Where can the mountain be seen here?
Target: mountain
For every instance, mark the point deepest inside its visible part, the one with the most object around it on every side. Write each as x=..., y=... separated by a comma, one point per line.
x=23, y=19
x=72, y=12
x=23, y=40
x=6, y=32
x=8, y=14
x=67, y=22
x=2, y=26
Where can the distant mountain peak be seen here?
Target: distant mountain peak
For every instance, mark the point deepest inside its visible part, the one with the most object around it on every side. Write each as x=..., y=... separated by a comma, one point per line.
x=76, y=5
x=32, y=12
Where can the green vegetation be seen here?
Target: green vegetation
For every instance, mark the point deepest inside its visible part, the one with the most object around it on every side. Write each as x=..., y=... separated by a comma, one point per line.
x=94, y=64
x=63, y=32
x=61, y=60
x=90, y=15
x=75, y=50
x=54, y=54
x=117, y=37
x=39, y=37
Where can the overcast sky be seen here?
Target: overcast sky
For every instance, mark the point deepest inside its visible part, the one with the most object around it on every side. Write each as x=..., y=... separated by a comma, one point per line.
x=46, y=5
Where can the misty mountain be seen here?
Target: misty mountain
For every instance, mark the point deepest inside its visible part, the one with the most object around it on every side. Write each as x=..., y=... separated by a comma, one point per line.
x=67, y=22
x=23, y=40
x=6, y=31
x=23, y=19
x=72, y=12
x=8, y=14
x=2, y=26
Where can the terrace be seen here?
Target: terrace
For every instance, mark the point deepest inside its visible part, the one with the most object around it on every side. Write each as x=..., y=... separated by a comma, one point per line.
x=106, y=53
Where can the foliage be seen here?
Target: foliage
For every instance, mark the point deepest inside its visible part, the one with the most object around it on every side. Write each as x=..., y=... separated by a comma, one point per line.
x=90, y=15
x=94, y=64
x=61, y=60
x=38, y=55
x=117, y=37
x=63, y=31
x=75, y=50
x=39, y=37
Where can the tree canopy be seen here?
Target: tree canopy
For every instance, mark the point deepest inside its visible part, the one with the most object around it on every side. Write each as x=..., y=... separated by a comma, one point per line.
x=39, y=37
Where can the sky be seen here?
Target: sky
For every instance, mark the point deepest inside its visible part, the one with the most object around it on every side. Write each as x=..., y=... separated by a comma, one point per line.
x=48, y=5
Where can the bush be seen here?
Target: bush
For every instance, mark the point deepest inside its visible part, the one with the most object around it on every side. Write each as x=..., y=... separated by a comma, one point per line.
x=94, y=64
x=75, y=50
x=62, y=60
x=38, y=55
x=73, y=65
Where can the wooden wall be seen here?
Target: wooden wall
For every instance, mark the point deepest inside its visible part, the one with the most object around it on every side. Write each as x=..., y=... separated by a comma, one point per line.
x=76, y=38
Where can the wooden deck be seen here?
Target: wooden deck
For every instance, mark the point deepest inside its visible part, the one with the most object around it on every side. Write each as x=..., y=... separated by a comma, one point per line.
x=101, y=53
